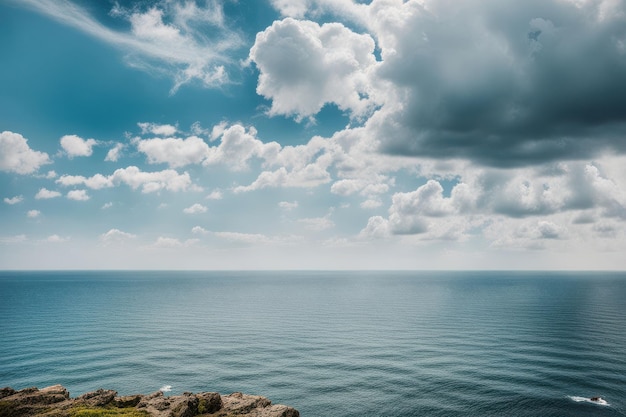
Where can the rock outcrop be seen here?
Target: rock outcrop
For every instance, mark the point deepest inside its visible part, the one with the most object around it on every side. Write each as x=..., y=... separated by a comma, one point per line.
x=55, y=401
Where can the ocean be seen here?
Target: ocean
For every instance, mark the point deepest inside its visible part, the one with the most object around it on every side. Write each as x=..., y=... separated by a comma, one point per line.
x=333, y=344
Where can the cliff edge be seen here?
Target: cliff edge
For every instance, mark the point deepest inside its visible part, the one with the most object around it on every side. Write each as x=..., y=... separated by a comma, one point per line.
x=55, y=401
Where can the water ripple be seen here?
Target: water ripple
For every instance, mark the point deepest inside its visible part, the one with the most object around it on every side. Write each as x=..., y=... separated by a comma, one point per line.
x=341, y=344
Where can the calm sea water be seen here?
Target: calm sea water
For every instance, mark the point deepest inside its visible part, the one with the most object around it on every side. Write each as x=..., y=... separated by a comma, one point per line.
x=333, y=344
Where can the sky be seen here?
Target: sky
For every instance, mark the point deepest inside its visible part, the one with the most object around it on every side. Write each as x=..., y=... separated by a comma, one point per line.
x=313, y=134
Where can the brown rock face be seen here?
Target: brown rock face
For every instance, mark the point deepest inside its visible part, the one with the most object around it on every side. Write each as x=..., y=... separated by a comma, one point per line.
x=31, y=401
x=98, y=398
x=55, y=401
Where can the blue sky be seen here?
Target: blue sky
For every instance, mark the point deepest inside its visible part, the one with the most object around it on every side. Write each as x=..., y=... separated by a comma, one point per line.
x=313, y=134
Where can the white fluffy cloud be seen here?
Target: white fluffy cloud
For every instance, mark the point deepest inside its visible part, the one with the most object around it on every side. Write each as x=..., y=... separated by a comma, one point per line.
x=531, y=208
x=76, y=146
x=14, y=200
x=302, y=166
x=215, y=195
x=44, y=194
x=238, y=145
x=198, y=230
x=195, y=209
x=114, y=153
x=301, y=8
x=175, y=152
x=291, y=8
x=157, y=129
x=78, y=195
x=304, y=66
x=371, y=204
x=33, y=213
x=132, y=176
x=56, y=239
x=116, y=236
x=309, y=176
x=16, y=156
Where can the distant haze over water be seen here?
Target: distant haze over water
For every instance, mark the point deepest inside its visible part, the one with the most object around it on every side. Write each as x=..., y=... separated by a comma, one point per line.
x=333, y=344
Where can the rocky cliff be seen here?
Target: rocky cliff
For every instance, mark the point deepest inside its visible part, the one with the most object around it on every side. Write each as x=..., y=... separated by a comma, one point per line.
x=55, y=401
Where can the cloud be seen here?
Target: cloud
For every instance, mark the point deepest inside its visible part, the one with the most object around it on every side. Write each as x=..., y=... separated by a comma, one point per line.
x=607, y=230
x=14, y=200
x=304, y=66
x=78, y=195
x=16, y=156
x=44, y=193
x=371, y=204
x=133, y=177
x=533, y=208
x=286, y=205
x=248, y=238
x=116, y=236
x=346, y=187
x=156, y=129
x=33, y=213
x=215, y=195
x=195, y=209
x=218, y=130
x=238, y=145
x=503, y=84
x=76, y=146
x=498, y=83
x=311, y=164
x=183, y=40
x=107, y=205
x=197, y=230
x=167, y=243
x=292, y=8
x=56, y=239
x=368, y=185
x=315, y=8
x=303, y=166
x=529, y=234
x=94, y=182
x=173, y=151
x=309, y=176
x=114, y=153
x=377, y=227
x=410, y=213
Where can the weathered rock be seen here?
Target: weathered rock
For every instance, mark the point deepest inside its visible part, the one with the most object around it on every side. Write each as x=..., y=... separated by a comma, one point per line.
x=239, y=403
x=186, y=406
x=127, y=401
x=209, y=402
x=278, y=410
x=48, y=395
x=32, y=401
x=97, y=398
x=6, y=391
x=55, y=401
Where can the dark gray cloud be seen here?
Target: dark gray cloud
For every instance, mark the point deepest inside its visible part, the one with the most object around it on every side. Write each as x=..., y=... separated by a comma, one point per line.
x=507, y=83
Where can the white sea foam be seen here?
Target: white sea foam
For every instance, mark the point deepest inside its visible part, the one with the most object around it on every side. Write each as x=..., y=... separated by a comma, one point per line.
x=166, y=388
x=588, y=400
